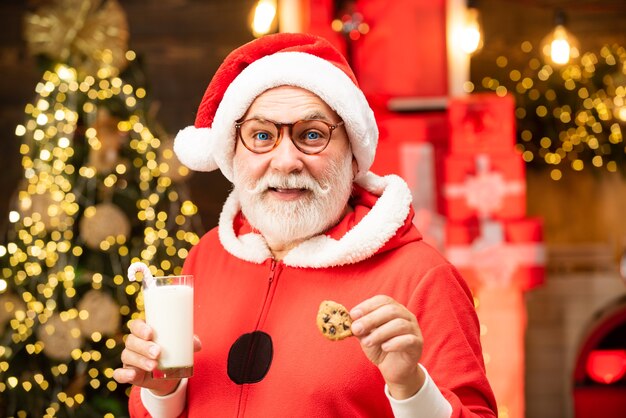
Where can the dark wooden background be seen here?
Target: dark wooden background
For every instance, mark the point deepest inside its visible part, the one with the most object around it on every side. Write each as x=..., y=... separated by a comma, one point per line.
x=181, y=43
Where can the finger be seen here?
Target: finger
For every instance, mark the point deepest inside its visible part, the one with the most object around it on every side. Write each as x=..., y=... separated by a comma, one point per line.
x=394, y=328
x=142, y=347
x=369, y=305
x=126, y=375
x=381, y=315
x=133, y=359
x=408, y=343
x=139, y=328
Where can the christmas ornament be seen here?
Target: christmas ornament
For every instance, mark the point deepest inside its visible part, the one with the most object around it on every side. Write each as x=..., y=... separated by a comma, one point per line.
x=101, y=222
x=60, y=337
x=90, y=35
x=103, y=313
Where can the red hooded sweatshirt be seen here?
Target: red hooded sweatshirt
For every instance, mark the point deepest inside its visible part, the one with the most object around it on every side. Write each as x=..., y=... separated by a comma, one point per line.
x=262, y=354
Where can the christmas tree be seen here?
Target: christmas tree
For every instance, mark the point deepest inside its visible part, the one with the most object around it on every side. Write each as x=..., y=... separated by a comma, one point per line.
x=101, y=189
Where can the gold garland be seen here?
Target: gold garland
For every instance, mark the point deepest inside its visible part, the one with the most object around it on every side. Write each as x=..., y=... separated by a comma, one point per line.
x=89, y=35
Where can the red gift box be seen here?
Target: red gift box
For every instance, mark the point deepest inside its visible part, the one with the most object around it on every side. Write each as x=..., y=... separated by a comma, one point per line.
x=399, y=130
x=481, y=122
x=391, y=56
x=483, y=186
x=498, y=253
x=403, y=53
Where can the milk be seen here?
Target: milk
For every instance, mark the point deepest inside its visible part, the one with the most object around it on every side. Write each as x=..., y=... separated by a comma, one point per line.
x=169, y=311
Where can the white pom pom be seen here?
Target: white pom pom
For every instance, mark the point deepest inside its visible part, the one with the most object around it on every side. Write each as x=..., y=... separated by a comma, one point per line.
x=193, y=148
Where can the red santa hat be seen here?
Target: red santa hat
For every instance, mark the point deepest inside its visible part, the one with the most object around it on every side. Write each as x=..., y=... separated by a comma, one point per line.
x=294, y=59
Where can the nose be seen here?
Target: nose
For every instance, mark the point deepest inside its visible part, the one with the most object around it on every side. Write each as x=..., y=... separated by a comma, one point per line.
x=286, y=158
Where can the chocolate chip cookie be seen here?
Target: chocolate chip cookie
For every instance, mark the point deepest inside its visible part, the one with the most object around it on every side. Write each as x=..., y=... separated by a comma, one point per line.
x=333, y=320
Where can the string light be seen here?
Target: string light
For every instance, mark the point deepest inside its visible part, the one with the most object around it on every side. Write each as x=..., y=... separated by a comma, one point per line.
x=569, y=117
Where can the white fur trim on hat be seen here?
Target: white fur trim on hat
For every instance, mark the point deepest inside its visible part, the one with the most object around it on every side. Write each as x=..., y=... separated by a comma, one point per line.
x=204, y=149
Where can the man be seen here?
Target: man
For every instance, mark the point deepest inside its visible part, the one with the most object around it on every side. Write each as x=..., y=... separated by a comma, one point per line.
x=307, y=221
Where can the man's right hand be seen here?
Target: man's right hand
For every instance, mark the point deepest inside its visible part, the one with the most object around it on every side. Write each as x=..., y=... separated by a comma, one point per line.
x=140, y=357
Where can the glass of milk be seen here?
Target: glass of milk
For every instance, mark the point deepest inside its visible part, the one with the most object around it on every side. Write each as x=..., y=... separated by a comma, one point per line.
x=168, y=303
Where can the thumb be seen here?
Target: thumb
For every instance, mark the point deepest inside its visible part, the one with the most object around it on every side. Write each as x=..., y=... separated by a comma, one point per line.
x=197, y=344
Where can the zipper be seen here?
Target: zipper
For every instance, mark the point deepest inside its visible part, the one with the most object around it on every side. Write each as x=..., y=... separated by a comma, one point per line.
x=270, y=281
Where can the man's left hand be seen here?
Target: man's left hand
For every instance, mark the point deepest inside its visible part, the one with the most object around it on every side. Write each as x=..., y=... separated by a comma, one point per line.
x=391, y=339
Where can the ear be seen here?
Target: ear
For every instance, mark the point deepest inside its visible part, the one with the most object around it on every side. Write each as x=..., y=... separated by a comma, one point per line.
x=355, y=167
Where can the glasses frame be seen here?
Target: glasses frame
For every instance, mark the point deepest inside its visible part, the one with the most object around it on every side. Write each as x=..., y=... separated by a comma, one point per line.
x=279, y=127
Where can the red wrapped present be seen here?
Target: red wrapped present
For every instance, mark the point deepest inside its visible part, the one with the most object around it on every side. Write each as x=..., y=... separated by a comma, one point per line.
x=481, y=122
x=483, y=186
x=498, y=253
x=399, y=130
x=403, y=53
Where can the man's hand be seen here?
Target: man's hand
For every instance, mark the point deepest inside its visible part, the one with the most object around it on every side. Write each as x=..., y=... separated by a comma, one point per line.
x=140, y=357
x=391, y=339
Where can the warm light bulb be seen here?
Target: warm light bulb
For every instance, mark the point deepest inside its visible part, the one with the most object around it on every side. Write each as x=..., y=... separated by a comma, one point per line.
x=264, y=14
x=560, y=46
x=470, y=37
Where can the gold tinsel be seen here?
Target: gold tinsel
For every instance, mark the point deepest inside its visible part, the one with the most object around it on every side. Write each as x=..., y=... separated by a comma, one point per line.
x=105, y=157
x=89, y=35
x=174, y=169
x=49, y=211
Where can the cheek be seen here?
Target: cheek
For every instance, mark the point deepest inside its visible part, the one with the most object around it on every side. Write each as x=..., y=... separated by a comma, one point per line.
x=250, y=165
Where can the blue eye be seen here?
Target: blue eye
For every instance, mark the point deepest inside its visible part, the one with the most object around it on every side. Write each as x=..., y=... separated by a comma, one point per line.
x=312, y=135
x=262, y=136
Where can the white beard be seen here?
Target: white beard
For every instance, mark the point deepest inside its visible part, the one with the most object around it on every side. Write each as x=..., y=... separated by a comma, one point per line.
x=286, y=222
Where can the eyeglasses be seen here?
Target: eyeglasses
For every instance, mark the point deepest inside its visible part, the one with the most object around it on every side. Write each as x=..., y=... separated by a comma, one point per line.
x=309, y=136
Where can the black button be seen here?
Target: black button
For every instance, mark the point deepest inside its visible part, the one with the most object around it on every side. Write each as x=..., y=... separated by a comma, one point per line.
x=250, y=357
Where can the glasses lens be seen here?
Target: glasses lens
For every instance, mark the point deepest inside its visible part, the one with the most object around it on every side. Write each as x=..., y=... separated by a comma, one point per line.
x=311, y=136
x=258, y=135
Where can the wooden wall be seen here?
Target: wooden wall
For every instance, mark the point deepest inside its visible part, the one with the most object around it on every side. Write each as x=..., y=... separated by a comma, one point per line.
x=181, y=43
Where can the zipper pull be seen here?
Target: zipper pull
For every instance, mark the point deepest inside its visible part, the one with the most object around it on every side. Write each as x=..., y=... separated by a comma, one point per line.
x=272, y=268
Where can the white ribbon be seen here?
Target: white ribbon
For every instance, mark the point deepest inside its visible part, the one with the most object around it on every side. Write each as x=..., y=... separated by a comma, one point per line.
x=492, y=258
x=486, y=190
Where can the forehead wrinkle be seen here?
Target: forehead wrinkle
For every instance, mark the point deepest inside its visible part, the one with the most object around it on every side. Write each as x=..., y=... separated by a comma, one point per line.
x=313, y=115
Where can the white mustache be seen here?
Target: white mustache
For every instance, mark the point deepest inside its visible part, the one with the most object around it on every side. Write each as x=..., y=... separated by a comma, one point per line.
x=290, y=181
